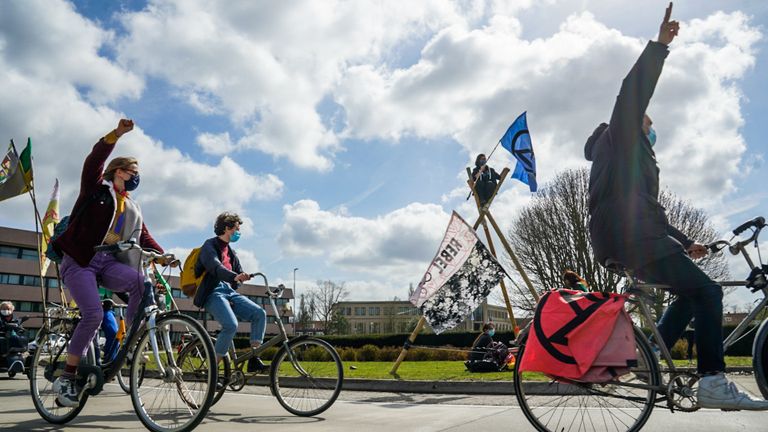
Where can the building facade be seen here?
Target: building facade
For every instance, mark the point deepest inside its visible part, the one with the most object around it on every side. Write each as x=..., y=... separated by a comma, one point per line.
x=377, y=317
x=20, y=283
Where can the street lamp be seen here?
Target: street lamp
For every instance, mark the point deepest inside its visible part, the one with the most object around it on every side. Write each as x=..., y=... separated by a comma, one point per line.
x=295, y=311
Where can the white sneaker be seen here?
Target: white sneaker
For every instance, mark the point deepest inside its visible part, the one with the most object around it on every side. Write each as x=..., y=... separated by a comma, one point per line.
x=717, y=391
x=67, y=391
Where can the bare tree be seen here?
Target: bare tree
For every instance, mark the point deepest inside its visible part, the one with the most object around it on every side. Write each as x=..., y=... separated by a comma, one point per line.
x=324, y=297
x=306, y=312
x=551, y=235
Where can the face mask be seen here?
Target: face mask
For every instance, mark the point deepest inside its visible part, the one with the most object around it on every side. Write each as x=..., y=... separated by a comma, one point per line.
x=132, y=183
x=491, y=332
x=651, y=136
x=5, y=312
x=481, y=163
x=234, y=237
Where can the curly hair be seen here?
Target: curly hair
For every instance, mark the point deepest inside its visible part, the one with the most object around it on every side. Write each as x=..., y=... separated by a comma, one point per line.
x=224, y=221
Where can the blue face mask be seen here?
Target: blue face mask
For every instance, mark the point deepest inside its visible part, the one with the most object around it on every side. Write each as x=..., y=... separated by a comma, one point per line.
x=132, y=183
x=235, y=237
x=651, y=136
x=491, y=332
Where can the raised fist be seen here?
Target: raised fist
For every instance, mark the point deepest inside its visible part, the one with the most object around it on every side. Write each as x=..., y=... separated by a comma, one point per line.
x=124, y=126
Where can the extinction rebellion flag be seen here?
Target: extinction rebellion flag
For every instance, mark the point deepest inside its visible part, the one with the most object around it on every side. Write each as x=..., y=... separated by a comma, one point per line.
x=458, y=279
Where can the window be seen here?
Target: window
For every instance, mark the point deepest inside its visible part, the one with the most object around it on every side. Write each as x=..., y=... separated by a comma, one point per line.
x=13, y=279
x=30, y=280
x=359, y=328
x=360, y=311
x=52, y=282
x=25, y=306
x=9, y=252
x=176, y=293
x=374, y=311
x=29, y=254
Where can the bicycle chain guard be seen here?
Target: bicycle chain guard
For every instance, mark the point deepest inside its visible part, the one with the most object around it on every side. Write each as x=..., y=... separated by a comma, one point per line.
x=681, y=395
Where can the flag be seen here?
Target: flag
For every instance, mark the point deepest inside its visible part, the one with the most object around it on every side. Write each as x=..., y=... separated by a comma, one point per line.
x=25, y=158
x=518, y=141
x=50, y=220
x=12, y=174
x=458, y=279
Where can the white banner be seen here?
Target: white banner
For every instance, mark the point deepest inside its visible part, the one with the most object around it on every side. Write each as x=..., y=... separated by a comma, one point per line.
x=454, y=250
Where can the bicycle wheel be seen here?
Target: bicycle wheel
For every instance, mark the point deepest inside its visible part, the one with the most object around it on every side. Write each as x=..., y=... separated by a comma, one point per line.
x=171, y=397
x=306, y=378
x=760, y=358
x=555, y=405
x=48, y=360
x=193, y=355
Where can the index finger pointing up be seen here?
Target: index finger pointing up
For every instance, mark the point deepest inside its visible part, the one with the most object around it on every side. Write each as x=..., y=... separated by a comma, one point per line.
x=668, y=13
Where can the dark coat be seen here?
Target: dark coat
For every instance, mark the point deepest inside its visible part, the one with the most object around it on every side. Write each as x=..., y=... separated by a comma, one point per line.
x=627, y=222
x=210, y=262
x=94, y=211
x=486, y=183
x=480, y=347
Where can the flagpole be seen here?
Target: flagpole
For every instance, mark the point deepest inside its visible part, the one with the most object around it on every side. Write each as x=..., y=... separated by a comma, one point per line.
x=38, y=221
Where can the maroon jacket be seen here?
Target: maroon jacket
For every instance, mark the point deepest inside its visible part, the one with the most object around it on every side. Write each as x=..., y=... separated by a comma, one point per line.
x=91, y=223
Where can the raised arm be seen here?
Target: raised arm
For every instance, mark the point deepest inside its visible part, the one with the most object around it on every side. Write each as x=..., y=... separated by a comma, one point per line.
x=639, y=85
x=93, y=167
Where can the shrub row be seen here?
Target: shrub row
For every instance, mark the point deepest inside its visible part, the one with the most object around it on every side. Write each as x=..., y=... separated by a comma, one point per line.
x=374, y=353
x=458, y=339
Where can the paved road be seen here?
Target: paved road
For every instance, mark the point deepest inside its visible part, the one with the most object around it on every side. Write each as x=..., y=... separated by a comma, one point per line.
x=355, y=411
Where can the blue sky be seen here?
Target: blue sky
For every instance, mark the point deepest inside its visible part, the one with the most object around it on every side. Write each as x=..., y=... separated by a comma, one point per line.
x=341, y=131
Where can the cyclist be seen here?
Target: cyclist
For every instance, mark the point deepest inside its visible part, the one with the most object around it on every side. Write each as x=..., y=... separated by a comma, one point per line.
x=629, y=225
x=104, y=213
x=217, y=292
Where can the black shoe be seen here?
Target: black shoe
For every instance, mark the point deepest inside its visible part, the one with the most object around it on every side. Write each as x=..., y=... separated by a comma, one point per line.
x=256, y=365
x=221, y=383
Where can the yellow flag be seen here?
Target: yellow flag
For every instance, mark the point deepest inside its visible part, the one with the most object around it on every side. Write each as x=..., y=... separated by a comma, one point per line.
x=50, y=220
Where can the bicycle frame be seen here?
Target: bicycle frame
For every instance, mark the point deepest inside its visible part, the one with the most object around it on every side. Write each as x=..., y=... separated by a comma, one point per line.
x=280, y=338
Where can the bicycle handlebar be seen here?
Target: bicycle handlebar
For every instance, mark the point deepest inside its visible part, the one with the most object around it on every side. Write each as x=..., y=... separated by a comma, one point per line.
x=758, y=222
x=127, y=245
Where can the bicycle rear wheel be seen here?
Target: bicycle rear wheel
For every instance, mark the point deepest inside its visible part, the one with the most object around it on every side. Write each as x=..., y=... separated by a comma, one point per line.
x=193, y=355
x=48, y=361
x=552, y=405
x=172, y=396
x=760, y=358
x=306, y=378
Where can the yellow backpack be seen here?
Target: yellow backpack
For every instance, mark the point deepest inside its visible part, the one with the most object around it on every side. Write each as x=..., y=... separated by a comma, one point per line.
x=189, y=282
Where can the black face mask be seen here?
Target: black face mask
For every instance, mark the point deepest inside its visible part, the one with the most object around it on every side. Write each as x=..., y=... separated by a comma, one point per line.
x=480, y=163
x=132, y=183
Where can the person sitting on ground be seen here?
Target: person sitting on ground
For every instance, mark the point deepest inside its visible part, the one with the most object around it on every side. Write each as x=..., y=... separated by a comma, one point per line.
x=629, y=226
x=483, y=341
x=573, y=281
x=485, y=179
x=217, y=292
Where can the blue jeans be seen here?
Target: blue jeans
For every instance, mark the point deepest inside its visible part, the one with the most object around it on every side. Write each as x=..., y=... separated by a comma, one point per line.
x=698, y=297
x=226, y=306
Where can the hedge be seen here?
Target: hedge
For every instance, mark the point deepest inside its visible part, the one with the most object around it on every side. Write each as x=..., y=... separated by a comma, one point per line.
x=394, y=342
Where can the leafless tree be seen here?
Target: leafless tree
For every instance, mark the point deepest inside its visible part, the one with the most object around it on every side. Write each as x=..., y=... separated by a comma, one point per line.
x=551, y=235
x=324, y=297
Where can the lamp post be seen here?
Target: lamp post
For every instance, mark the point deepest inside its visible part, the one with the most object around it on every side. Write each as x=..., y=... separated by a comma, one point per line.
x=295, y=311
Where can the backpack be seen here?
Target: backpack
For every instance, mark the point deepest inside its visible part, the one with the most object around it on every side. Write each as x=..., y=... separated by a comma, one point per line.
x=189, y=280
x=52, y=252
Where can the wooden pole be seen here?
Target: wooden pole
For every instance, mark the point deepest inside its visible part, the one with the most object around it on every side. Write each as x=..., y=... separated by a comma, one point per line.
x=407, y=345
x=482, y=209
x=515, y=261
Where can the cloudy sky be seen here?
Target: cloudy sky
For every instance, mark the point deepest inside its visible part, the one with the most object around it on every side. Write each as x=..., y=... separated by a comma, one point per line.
x=341, y=130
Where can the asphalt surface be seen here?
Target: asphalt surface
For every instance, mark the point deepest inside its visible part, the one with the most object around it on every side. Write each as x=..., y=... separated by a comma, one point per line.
x=354, y=411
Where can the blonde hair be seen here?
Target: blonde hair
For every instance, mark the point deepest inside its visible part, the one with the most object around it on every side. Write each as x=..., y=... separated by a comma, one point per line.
x=7, y=303
x=117, y=163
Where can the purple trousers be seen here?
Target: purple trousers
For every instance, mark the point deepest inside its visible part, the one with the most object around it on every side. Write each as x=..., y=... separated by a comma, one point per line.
x=84, y=288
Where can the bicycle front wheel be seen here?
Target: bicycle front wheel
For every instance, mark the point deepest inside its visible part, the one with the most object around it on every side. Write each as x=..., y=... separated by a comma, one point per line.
x=170, y=396
x=124, y=377
x=760, y=358
x=551, y=404
x=306, y=377
x=48, y=361
x=193, y=356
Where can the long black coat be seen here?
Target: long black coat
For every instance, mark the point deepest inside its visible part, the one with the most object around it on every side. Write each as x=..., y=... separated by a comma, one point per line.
x=627, y=222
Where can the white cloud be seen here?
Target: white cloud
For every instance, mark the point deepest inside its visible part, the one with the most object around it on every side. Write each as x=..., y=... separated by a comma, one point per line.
x=176, y=193
x=404, y=239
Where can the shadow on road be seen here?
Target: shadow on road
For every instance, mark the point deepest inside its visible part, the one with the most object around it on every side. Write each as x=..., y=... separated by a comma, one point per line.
x=274, y=420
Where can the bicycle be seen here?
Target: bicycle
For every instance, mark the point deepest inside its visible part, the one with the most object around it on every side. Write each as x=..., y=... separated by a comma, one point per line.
x=305, y=375
x=165, y=396
x=626, y=402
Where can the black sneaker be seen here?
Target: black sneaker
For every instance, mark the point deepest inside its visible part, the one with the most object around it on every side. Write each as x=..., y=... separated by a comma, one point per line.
x=256, y=365
x=68, y=391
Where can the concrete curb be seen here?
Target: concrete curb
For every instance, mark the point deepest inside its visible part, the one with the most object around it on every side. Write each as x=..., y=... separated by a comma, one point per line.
x=453, y=387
